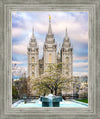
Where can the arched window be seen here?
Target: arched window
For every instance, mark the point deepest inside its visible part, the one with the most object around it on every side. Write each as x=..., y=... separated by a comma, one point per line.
x=32, y=67
x=67, y=60
x=50, y=58
x=32, y=74
x=67, y=73
x=67, y=67
x=33, y=59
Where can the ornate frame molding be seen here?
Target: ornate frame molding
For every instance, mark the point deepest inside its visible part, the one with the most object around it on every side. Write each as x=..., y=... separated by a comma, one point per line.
x=6, y=8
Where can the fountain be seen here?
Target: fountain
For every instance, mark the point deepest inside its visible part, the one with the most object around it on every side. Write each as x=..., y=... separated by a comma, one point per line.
x=50, y=100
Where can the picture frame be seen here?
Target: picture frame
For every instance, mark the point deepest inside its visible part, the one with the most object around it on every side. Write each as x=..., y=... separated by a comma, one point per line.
x=6, y=8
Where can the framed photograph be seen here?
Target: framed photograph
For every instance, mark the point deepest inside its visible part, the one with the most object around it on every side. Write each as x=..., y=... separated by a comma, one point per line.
x=49, y=59
x=50, y=62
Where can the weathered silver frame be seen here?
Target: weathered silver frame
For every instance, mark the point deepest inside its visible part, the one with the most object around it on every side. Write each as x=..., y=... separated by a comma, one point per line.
x=93, y=8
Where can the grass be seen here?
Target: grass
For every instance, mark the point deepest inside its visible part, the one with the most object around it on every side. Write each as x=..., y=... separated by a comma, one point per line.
x=82, y=100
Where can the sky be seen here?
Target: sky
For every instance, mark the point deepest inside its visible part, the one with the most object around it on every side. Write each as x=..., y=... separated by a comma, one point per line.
x=77, y=28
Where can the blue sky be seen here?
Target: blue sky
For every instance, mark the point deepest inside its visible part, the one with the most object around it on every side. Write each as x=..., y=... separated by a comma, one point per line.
x=77, y=27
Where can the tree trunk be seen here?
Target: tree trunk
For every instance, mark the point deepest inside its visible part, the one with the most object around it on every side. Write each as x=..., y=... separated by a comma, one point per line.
x=44, y=94
x=51, y=91
x=55, y=91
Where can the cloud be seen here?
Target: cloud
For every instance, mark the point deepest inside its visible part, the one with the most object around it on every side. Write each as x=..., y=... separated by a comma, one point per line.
x=17, y=62
x=20, y=49
x=76, y=58
x=75, y=22
x=80, y=68
x=80, y=64
x=75, y=30
x=80, y=73
x=17, y=32
x=18, y=71
x=21, y=46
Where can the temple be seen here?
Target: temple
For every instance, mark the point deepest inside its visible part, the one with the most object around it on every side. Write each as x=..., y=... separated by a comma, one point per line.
x=51, y=55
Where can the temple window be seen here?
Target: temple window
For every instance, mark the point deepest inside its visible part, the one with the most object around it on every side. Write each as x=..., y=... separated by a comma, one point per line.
x=50, y=58
x=33, y=59
x=32, y=74
x=32, y=67
x=67, y=73
x=67, y=67
x=67, y=59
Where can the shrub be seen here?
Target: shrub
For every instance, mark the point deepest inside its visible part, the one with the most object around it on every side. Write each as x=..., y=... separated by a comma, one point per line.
x=83, y=94
x=14, y=92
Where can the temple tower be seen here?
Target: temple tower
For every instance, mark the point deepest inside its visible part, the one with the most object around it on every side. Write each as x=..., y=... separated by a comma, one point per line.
x=67, y=57
x=33, y=61
x=67, y=61
x=50, y=47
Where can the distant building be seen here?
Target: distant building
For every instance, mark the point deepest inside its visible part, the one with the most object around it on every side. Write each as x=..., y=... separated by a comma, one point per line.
x=80, y=87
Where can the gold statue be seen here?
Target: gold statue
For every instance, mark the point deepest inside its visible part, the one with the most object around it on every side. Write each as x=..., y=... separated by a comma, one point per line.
x=49, y=17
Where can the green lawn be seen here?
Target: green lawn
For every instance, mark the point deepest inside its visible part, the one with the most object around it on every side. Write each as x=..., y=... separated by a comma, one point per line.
x=82, y=100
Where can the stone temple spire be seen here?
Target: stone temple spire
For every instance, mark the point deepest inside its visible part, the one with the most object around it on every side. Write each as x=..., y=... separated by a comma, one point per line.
x=33, y=39
x=33, y=33
x=49, y=29
x=49, y=48
x=66, y=35
x=66, y=41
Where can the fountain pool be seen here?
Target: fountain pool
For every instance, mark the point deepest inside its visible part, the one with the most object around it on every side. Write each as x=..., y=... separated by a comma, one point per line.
x=38, y=103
